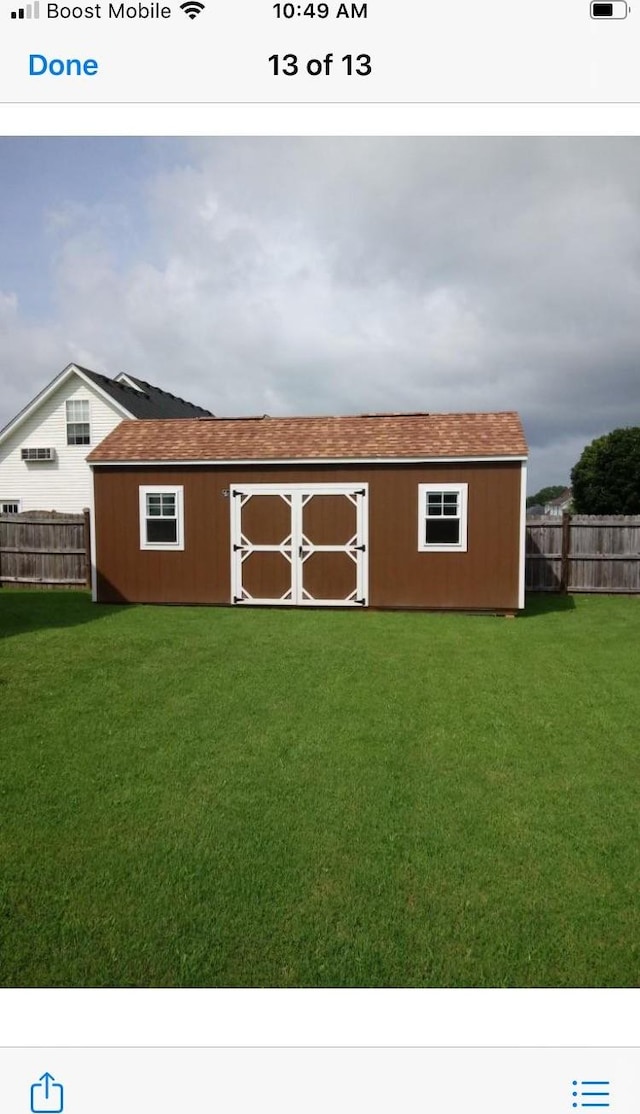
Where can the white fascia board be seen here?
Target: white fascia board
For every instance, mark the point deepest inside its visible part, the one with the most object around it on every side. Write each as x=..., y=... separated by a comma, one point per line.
x=308, y=461
x=44, y=394
x=124, y=378
x=523, y=533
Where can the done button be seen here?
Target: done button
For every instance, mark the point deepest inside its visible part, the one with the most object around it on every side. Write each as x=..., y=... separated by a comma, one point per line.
x=39, y=65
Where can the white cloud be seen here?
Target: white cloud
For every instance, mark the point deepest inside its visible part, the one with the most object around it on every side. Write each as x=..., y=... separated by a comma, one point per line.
x=299, y=276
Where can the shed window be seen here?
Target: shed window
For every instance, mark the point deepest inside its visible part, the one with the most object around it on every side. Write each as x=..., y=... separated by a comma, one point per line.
x=9, y=506
x=161, y=518
x=78, y=430
x=442, y=518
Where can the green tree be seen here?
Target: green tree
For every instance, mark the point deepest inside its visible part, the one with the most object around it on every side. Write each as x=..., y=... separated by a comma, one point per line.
x=545, y=495
x=606, y=479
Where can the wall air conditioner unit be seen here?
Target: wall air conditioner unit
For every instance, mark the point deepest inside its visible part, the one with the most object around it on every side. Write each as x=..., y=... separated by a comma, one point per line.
x=38, y=454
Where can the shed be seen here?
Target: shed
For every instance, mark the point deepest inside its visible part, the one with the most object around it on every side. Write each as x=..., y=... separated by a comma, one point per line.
x=376, y=510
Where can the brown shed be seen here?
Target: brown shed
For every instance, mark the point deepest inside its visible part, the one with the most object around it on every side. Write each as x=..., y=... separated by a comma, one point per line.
x=379, y=510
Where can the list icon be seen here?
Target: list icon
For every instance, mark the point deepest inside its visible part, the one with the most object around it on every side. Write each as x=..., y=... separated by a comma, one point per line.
x=590, y=1093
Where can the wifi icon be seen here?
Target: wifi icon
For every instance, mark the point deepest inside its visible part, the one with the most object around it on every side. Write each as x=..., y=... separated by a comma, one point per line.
x=192, y=8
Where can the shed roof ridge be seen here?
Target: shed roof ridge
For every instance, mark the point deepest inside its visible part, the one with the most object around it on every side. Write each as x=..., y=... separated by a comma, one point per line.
x=352, y=417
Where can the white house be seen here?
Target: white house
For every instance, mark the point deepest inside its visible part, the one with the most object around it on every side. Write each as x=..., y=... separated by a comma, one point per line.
x=557, y=507
x=43, y=450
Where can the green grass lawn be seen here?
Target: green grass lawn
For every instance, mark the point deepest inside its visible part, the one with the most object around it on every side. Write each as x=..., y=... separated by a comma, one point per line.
x=228, y=797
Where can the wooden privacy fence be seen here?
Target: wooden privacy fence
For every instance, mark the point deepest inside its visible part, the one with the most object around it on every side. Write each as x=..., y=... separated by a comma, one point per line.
x=575, y=553
x=44, y=548
x=583, y=553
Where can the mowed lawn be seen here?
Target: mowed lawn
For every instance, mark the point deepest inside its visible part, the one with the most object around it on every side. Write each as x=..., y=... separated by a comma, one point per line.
x=231, y=797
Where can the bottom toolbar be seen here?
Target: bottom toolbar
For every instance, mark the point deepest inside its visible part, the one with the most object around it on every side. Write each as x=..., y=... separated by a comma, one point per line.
x=319, y=1080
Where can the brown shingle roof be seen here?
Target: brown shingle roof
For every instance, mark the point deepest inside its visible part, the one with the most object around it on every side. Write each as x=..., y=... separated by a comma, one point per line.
x=368, y=436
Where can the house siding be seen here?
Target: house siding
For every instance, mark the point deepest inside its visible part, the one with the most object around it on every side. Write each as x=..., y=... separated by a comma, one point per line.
x=485, y=577
x=63, y=484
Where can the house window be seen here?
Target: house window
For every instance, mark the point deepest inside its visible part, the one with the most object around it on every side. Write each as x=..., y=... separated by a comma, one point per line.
x=442, y=518
x=9, y=506
x=161, y=518
x=78, y=432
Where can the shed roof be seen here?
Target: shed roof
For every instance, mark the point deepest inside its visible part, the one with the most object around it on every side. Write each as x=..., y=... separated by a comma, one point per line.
x=363, y=437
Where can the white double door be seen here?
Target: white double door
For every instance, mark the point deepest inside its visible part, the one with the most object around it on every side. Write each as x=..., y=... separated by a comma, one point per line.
x=299, y=544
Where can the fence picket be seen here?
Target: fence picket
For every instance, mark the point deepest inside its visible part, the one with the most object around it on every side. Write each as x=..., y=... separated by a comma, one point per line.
x=583, y=553
x=576, y=553
x=45, y=549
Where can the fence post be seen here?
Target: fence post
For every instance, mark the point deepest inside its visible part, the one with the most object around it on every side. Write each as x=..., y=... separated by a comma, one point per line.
x=566, y=543
x=87, y=546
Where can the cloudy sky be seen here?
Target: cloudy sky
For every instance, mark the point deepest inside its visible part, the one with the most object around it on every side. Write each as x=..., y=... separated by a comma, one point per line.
x=314, y=276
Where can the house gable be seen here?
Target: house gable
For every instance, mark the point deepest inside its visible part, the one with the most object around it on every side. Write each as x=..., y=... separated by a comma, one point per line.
x=71, y=371
x=60, y=479
x=64, y=482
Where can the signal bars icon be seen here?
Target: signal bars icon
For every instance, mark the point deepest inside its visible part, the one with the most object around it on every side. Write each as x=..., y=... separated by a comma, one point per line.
x=192, y=8
x=30, y=11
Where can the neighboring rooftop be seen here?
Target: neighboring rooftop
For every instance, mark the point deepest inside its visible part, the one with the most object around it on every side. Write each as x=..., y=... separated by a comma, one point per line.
x=137, y=397
x=366, y=436
x=147, y=401
x=564, y=497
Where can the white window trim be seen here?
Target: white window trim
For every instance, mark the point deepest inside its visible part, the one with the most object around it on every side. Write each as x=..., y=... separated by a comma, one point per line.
x=5, y=501
x=69, y=422
x=162, y=489
x=423, y=490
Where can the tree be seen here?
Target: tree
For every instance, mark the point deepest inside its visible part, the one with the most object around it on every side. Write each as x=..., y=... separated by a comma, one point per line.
x=606, y=479
x=545, y=495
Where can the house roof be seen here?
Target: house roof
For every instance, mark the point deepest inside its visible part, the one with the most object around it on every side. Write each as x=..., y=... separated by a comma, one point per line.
x=564, y=497
x=148, y=401
x=367, y=436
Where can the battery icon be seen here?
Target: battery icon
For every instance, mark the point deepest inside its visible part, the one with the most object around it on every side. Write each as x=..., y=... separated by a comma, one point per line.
x=615, y=9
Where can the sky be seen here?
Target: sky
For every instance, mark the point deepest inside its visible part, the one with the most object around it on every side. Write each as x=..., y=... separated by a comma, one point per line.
x=333, y=276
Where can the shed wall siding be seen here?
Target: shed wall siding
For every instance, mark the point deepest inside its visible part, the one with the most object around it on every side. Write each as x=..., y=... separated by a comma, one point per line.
x=63, y=484
x=486, y=576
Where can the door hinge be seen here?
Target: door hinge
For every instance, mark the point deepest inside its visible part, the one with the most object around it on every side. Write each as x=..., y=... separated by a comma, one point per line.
x=363, y=602
x=236, y=547
x=360, y=548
